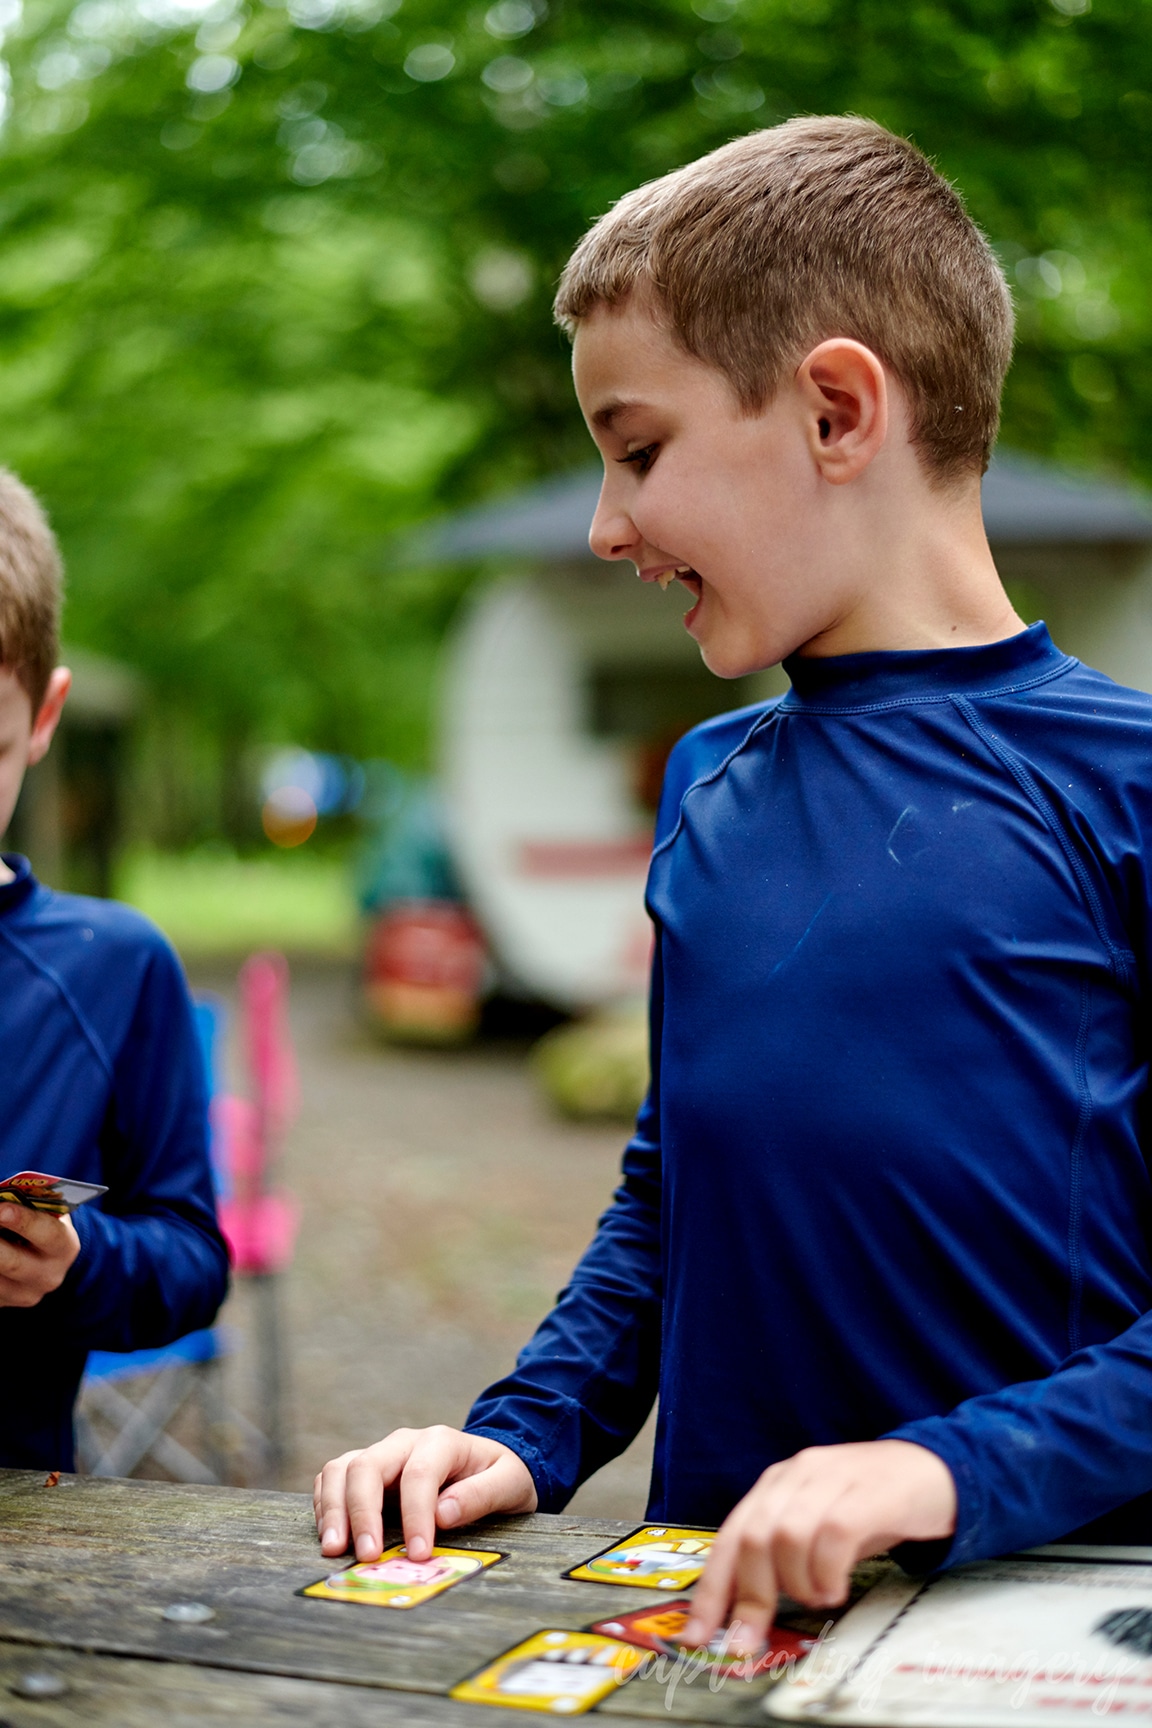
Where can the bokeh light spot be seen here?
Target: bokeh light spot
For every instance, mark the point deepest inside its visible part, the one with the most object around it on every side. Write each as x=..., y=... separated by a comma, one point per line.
x=289, y=816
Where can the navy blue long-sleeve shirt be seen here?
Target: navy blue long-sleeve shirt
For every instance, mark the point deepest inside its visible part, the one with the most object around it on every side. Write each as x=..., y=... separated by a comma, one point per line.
x=892, y=1176
x=101, y=1078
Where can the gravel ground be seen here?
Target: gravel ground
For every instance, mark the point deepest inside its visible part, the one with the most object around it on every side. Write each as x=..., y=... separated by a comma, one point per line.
x=443, y=1207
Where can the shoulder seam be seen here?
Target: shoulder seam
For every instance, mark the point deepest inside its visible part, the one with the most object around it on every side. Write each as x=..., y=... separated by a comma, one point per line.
x=714, y=773
x=1122, y=960
x=58, y=984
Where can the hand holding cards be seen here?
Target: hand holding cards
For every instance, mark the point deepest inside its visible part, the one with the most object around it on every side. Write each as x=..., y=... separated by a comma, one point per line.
x=38, y=1242
x=57, y=1195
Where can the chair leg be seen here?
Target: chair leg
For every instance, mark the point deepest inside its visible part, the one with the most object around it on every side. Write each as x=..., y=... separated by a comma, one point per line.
x=271, y=1371
x=214, y=1423
x=88, y=1447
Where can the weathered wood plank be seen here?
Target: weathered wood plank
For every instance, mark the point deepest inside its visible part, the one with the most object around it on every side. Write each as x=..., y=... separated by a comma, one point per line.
x=126, y=1692
x=90, y=1566
x=93, y=1565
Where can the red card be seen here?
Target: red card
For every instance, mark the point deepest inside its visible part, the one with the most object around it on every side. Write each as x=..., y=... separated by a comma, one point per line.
x=659, y=1628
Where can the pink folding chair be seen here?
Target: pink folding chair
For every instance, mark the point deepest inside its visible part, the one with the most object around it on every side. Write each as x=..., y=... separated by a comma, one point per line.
x=259, y=1221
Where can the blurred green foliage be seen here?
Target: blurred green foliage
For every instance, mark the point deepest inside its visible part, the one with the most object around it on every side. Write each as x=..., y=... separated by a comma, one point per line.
x=275, y=282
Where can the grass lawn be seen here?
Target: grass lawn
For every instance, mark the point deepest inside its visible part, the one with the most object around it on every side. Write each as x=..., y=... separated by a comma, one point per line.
x=212, y=903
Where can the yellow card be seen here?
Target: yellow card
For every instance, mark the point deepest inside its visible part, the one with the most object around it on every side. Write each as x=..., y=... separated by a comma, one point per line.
x=560, y=1673
x=655, y=1557
x=394, y=1581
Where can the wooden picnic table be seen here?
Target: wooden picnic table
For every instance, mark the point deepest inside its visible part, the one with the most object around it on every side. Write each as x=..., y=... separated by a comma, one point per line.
x=88, y=1567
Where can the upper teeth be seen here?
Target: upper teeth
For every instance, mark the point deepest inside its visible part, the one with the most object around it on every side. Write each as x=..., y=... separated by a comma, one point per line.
x=667, y=576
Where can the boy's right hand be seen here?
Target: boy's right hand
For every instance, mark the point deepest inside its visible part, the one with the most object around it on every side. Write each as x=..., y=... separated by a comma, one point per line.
x=445, y=1478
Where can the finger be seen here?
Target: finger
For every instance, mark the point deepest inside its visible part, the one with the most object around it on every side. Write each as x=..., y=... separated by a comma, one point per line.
x=15, y=1259
x=497, y=1488
x=438, y=1457
x=330, y=1507
x=16, y=1293
x=817, y=1521
x=39, y=1229
x=836, y=1546
x=370, y=1473
x=755, y=1588
x=713, y=1595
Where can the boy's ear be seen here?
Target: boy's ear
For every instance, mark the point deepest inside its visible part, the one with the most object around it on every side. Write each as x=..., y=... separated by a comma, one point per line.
x=48, y=714
x=845, y=399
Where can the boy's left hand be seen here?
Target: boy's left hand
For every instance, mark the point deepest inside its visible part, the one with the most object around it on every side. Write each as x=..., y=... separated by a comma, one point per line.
x=808, y=1521
x=38, y=1263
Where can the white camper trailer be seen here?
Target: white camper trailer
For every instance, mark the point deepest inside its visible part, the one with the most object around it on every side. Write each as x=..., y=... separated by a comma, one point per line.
x=566, y=681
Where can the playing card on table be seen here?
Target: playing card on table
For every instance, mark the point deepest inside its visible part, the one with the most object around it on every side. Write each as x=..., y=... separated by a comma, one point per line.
x=55, y=1194
x=394, y=1581
x=661, y=1626
x=655, y=1557
x=558, y=1673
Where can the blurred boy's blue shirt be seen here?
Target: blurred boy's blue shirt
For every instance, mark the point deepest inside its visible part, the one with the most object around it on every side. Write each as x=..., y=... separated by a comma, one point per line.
x=892, y=1174
x=101, y=1078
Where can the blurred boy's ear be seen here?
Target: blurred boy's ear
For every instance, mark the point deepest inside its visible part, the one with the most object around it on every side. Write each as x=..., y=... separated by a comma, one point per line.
x=48, y=715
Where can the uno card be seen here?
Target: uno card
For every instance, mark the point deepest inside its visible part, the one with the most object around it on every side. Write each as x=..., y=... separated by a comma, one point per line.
x=55, y=1194
x=660, y=1627
x=560, y=1673
x=394, y=1581
x=654, y=1557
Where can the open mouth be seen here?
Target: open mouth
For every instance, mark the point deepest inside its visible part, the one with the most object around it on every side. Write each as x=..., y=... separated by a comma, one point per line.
x=682, y=573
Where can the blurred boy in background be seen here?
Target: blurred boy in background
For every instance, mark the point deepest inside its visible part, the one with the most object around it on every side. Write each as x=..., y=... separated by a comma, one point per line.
x=101, y=1076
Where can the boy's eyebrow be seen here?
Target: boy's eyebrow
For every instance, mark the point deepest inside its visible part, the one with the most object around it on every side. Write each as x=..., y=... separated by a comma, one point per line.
x=611, y=411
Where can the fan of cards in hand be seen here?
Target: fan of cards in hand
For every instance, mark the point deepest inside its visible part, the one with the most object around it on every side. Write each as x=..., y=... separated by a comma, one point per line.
x=41, y=1193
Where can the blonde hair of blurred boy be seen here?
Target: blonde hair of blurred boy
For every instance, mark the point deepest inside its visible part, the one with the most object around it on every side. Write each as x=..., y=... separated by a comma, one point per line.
x=32, y=687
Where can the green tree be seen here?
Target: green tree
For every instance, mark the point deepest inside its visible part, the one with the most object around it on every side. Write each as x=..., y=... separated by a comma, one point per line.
x=274, y=283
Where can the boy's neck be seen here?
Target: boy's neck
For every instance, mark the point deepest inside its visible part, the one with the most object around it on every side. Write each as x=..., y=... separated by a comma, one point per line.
x=925, y=579
x=6, y=875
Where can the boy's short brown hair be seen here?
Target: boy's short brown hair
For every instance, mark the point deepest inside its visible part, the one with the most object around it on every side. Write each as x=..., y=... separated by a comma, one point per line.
x=820, y=227
x=31, y=589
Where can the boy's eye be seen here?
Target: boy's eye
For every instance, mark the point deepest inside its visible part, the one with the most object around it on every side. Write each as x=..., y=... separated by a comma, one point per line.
x=640, y=459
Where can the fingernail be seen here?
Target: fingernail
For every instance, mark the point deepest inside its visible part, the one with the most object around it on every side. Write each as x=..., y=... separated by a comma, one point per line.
x=366, y=1549
x=693, y=1633
x=418, y=1549
x=328, y=1538
x=447, y=1512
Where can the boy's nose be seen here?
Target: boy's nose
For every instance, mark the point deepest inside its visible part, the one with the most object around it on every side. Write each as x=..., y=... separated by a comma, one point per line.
x=613, y=533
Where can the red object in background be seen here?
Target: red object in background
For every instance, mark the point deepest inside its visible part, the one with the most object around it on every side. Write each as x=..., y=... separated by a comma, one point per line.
x=574, y=860
x=424, y=970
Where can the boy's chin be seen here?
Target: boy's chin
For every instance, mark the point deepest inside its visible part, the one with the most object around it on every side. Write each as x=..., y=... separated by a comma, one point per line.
x=731, y=659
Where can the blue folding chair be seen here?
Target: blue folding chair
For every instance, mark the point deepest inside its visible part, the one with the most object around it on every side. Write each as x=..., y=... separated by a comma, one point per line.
x=128, y=1400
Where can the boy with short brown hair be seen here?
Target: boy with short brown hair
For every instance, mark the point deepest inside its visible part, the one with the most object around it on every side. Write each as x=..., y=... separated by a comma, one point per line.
x=882, y=1242
x=101, y=1077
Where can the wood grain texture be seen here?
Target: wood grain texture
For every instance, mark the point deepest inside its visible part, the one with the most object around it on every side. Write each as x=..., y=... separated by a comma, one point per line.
x=127, y=1692
x=87, y=1569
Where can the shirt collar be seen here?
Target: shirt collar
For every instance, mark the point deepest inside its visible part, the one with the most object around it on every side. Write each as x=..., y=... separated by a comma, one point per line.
x=867, y=680
x=14, y=893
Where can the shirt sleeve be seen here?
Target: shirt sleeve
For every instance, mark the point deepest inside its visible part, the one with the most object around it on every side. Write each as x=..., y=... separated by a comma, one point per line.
x=152, y=1264
x=1036, y=1461
x=584, y=1384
